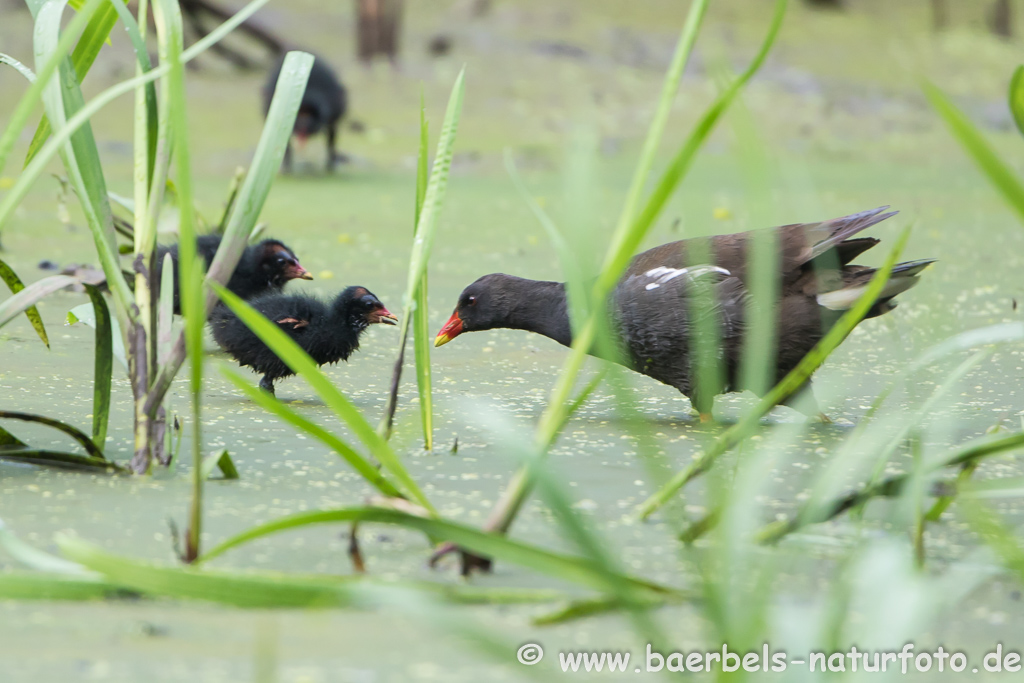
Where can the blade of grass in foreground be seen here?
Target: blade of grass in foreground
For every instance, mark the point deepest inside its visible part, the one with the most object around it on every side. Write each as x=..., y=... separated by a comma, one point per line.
x=426, y=227
x=95, y=35
x=27, y=297
x=15, y=284
x=1000, y=175
x=103, y=366
x=272, y=589
x=573, y=569
x=421, y=323
x=18, y=119
x=790, y=383
x=297, y=359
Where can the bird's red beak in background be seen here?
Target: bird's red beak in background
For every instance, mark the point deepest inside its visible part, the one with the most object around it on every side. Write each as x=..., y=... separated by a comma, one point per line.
x=300, y=140
x=296, y=271
x=451, y=330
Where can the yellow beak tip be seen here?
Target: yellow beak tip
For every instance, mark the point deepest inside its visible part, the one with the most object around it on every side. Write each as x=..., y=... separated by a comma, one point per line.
x=441, y=340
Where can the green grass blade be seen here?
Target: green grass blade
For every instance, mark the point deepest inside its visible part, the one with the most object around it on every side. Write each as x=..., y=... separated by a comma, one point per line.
x=28, y=297
x=33, y=558
x=18, y=66
x=1000, y=175
x=573, y=569
x=63, y=99
x=221, y=461
x=270, y=403
x=228, y=588
x=15, y=284
x=426, y=224
x=297, y=359
x=83, y=440
x=790, y=383
x=421, y=321
x=19, y=118
x=165, y=310
x=684, y=47
x=273, y=589
x=40, y=586
x=1016, y=98
x=104, y=367
x=95, y=35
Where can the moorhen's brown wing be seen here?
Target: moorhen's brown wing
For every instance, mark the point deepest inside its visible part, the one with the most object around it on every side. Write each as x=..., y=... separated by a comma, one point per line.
x=798, y=245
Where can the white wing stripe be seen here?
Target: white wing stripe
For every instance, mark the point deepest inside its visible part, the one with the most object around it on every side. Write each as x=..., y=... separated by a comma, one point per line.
x=664, y=274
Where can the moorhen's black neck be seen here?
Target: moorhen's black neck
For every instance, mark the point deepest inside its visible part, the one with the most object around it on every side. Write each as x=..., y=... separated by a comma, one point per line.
x=538, y=306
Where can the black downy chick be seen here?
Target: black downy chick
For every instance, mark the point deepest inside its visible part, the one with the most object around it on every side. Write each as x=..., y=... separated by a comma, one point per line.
x=264, y=267
x=323, y=106
x=328, y=332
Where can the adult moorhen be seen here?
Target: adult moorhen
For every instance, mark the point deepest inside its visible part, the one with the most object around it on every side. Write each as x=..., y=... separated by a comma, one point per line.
x=323, y=106
x=263, y=267
x=652, y=302
x=327, y=332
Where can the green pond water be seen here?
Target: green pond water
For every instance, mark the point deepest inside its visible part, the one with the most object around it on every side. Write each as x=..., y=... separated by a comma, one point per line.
x=842, y=139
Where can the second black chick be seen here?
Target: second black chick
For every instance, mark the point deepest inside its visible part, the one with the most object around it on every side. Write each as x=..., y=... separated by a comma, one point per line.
x=264, y=267
x=323, y=106
x=328, y=332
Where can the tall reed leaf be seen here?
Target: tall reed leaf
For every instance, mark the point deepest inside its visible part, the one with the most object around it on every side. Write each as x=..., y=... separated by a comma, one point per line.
x=95, y=35
x=1000, y=175
x=421, y=320
x=44, y=73
x=426, y=225
x=573, y=569
x=15, y=284
x=103, y=363
x=26, y=298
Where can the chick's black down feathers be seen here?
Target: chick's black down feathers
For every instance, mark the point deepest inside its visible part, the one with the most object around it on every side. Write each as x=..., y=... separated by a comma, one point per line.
x=263, y=267
x=328, y=332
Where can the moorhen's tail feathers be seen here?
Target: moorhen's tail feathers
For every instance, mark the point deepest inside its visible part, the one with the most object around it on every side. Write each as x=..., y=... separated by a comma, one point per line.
x=855, y=282
x=827, y=235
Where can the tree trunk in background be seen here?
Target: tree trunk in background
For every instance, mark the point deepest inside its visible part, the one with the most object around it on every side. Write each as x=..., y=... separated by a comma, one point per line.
x=1000, y=18
x=940, y=14
x=377, y=28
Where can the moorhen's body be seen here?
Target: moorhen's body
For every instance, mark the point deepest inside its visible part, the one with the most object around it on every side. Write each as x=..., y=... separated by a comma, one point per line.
x=328, y=332
x=323, y=106
x=651, y=303
x=263, y=267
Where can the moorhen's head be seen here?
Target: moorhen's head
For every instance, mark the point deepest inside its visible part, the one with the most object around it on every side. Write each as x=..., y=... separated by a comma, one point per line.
x=308, y=122
x=483, y=305
x=362, y=308
x=279, y=264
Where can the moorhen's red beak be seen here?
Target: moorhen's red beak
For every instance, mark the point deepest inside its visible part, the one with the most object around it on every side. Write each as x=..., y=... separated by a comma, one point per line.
x=385, y=316
x=300, y=140
x=451, y=330
x=296, y=271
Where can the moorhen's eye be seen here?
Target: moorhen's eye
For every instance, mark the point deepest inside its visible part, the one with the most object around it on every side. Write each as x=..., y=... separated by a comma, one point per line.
x=471, y=301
